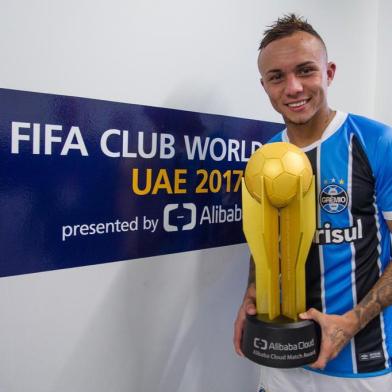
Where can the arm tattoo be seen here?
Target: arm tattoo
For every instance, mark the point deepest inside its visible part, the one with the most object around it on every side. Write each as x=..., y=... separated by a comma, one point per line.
x=379, y=297
x=252, y=272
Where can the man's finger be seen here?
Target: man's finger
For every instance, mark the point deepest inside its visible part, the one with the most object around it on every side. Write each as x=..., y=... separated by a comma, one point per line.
x=311, y=314
x=319, y=364
x=250, y=309
x=238, y=326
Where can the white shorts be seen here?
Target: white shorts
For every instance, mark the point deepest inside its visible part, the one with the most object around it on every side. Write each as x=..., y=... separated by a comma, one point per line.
x=302, y=380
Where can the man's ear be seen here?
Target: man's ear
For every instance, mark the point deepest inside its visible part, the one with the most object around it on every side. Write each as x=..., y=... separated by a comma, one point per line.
x=331, y=69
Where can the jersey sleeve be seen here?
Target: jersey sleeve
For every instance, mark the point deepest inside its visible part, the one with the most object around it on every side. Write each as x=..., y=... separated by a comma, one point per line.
x=277, y=138
x=383, y=173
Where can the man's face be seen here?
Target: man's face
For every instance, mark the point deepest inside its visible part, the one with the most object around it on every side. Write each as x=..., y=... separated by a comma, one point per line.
x=295, y=75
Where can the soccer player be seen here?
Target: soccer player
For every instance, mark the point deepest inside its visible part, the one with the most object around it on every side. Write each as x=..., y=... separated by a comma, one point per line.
x=348, y=271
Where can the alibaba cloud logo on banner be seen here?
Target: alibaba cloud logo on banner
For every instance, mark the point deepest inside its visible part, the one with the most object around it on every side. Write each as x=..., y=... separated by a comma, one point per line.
x=179, y=217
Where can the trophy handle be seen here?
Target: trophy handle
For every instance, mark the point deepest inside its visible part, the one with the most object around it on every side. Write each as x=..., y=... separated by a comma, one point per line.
x=297, y=224
x=260, y=224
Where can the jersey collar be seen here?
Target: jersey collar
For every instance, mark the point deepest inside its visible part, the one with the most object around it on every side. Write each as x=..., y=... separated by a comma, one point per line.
x=333, y=126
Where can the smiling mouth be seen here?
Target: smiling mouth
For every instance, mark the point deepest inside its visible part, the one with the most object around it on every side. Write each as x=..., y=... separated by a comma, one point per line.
x=298, y=104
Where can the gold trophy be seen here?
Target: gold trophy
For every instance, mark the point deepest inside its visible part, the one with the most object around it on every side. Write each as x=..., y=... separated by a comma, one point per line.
x=279, y=221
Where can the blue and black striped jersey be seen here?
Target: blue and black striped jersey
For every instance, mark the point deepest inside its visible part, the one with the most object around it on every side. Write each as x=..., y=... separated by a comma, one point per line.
x=352, y=246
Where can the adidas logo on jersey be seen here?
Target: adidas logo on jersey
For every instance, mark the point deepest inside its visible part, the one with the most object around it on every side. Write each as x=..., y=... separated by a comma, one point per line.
x=326, y=235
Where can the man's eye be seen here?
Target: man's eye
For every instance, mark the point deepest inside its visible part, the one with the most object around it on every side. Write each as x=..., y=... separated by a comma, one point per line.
x=276, y=77
x=305, y=71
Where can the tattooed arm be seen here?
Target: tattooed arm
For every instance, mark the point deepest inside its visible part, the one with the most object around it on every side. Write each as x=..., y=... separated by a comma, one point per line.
x=338, y=330
x=248, y=307
x=379, y=297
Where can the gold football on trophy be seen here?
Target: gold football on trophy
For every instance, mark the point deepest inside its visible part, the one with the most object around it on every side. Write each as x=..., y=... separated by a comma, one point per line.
x=281, y=164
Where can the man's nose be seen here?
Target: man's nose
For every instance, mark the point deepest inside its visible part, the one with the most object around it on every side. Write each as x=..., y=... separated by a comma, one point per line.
x=293, y=85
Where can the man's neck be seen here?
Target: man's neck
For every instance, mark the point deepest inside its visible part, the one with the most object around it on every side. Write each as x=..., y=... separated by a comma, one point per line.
x=303, y=135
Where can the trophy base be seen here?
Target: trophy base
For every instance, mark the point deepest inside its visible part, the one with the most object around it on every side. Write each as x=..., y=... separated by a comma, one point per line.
x=280, y=343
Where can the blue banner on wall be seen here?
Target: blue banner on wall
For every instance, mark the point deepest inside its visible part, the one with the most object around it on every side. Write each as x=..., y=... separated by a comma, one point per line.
x=85, y=181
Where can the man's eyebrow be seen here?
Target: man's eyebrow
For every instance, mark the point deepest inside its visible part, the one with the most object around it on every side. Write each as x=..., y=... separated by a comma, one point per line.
x=274, y=70
x=305, y=64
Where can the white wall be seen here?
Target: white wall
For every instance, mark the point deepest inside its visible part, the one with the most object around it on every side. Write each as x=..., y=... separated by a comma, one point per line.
x=163, y=323
x=383, y=98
